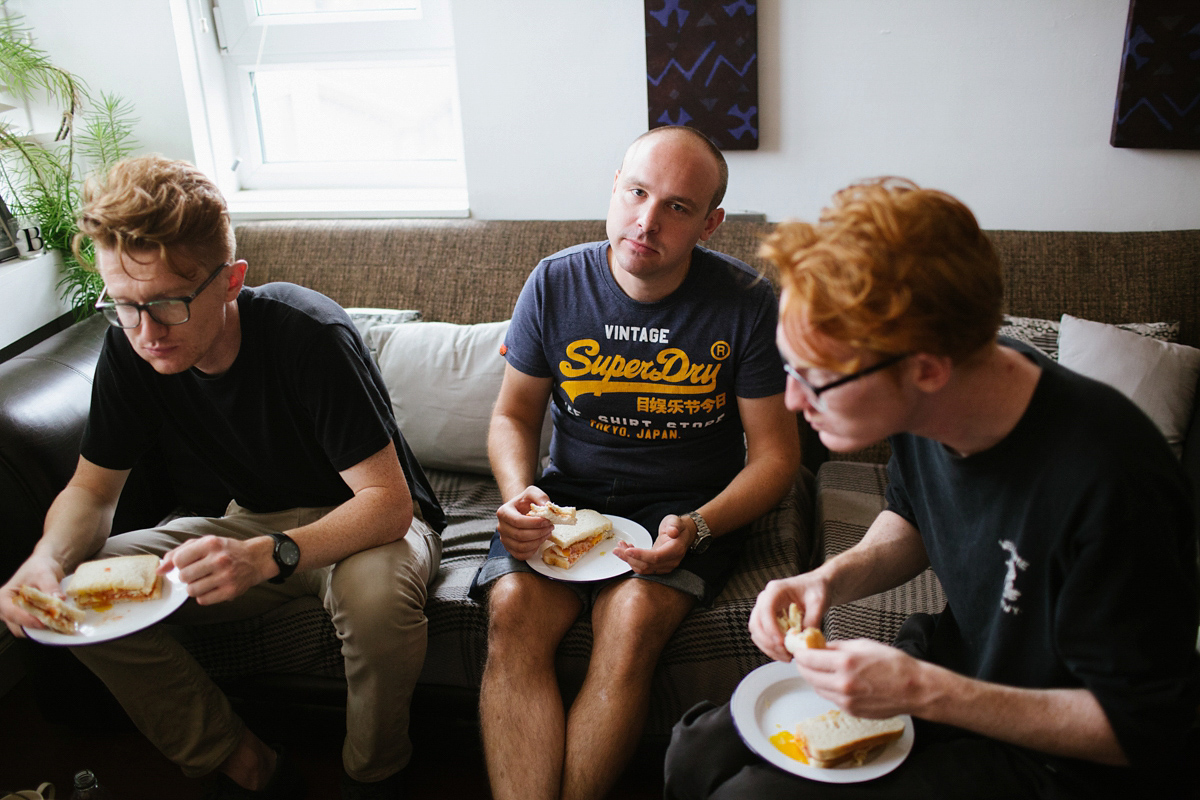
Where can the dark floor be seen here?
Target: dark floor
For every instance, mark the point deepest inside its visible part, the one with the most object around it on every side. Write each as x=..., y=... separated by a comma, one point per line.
x=447, y=762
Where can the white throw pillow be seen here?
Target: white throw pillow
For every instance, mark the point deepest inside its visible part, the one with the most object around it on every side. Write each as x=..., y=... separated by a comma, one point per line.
x=1159, y=377
x=443, y=380
x=1043, y=333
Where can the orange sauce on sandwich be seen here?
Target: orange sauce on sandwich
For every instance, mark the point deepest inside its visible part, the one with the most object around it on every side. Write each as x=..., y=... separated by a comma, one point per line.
x=787, y=744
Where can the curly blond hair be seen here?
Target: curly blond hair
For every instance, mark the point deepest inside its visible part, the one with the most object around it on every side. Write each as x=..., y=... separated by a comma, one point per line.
x=890, y=268
x=152, y=203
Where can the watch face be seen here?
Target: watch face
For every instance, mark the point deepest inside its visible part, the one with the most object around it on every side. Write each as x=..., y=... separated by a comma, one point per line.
x=289, y=552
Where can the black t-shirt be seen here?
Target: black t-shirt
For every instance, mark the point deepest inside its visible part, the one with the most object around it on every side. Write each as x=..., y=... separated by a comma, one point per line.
x=1067, y=555
x=302, y=402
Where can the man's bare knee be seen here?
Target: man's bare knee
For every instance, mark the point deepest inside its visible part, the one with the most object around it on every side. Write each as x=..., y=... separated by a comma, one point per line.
x=529, y=614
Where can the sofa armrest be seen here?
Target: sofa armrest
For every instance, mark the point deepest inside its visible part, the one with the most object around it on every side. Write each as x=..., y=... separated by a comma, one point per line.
x=45, y=393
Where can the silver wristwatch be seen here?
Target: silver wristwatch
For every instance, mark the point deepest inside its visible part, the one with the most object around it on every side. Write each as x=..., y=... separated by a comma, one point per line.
x=703, y=534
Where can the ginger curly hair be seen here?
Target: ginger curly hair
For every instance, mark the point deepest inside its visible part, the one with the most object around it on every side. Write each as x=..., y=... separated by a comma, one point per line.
x=889, y=268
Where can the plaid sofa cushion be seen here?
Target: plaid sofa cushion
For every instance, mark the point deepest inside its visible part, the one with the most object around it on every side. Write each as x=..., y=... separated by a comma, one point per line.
x=707, y=657
x=849, y=497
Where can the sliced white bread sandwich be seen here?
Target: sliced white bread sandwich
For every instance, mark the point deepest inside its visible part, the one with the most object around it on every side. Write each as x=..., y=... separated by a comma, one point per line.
x=569, y=543
x=796, y=637
x=115, y=580
x=835, y=737
x=559, y=515
x=57, y=614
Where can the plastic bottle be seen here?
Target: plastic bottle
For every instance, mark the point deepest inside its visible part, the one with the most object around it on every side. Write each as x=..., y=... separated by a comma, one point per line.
x=88, y=788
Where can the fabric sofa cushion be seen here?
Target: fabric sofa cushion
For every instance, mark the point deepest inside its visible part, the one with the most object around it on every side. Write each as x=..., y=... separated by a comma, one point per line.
x=367, y=320
x=1160, y=377
x=849, y=497
x=1043, y=333
x=704, y=660
x=443, y=380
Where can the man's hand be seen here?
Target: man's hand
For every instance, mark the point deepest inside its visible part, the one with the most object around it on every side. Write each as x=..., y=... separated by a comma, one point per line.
x=809, y=591
x=217, y=568
x=864, y=678
x=522, y=535
x=40, y=572
x=675, y=535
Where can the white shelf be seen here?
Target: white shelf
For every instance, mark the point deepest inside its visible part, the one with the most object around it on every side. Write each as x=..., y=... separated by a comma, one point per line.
x=30, y=290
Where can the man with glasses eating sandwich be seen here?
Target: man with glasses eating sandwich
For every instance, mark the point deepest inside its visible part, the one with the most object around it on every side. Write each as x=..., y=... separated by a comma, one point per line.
x=1049, y=506
x=270, y=394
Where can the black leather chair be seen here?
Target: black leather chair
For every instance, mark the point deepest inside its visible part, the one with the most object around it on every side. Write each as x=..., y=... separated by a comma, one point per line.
x=45, y=394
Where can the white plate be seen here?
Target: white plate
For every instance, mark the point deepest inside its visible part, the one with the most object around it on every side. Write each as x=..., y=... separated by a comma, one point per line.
x=773, y=698
x=600, y=562
x=120, y=620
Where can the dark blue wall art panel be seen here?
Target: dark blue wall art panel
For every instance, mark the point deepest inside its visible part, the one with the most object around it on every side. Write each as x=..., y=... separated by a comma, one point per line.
x=702, y=68
x=1158, y=98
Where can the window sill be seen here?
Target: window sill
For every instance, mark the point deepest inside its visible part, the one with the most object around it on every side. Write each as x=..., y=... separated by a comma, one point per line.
x=347, y=204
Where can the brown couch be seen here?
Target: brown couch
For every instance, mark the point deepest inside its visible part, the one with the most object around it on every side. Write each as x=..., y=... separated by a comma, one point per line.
x=468, y=272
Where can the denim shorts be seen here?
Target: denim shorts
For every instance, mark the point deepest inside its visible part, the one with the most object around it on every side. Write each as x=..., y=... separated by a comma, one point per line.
x=701, y=575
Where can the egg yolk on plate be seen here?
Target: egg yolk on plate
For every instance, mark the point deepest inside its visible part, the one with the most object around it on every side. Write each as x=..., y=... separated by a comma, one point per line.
x=786, y=743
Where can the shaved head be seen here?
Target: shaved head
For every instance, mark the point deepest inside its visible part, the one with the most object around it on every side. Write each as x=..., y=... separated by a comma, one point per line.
x=684, y=132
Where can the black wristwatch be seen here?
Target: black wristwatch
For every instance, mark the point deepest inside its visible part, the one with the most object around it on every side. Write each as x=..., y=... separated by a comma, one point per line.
x=703, y=534
x=287, y=556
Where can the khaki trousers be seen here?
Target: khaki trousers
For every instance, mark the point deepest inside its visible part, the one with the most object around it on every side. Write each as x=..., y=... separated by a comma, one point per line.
x=376, y=599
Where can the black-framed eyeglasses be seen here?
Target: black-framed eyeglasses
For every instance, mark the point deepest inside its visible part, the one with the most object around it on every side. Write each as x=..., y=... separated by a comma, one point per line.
x=816, y=391
x=166, y=311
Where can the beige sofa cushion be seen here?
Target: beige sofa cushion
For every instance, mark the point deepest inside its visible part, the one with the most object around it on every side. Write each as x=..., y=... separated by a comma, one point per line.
x=443, y=380
x=1159, y=377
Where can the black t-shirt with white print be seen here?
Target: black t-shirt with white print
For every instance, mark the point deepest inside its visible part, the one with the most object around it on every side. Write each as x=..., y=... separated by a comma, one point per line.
x=1067, y=553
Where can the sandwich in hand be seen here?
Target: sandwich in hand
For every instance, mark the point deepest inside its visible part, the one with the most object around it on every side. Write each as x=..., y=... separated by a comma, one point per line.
x=836, y=737
x=569, y=543
x=99, y=584
x=559, y=515
x=61, y=616
x=796, y=637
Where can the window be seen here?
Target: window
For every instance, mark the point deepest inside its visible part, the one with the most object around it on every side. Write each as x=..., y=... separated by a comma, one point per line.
x=334, y=107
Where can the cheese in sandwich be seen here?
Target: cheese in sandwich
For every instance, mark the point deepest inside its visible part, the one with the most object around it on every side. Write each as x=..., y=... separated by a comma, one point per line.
x=569, y=543
x=57, y=614
x=115, y=580
x=835, y=737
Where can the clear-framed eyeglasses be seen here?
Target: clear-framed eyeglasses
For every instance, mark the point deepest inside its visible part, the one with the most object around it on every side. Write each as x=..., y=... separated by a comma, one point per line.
x=165, y=311
x=816, y=390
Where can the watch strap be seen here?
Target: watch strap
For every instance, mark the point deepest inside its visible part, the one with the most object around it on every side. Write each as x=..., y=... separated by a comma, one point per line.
x=703, y=534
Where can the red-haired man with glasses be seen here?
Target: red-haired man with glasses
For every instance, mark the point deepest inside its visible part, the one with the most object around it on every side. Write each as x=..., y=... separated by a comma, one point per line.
x=1048, y=505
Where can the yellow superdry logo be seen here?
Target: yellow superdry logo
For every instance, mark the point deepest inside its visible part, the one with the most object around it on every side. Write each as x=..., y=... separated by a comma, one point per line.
x=670, y=372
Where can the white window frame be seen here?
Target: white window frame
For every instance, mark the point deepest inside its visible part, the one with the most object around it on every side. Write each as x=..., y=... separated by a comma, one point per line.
x=222, y=139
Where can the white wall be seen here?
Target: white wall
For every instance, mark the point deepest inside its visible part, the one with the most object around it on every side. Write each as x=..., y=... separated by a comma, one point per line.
x=1005, y=103
x=125, y=47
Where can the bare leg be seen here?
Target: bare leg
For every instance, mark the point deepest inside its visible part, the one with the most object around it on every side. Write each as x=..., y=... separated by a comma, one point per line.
x=631, y=624
x=520, y=705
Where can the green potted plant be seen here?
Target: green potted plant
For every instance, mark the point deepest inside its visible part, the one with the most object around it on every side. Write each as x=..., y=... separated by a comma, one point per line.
x=42, y=175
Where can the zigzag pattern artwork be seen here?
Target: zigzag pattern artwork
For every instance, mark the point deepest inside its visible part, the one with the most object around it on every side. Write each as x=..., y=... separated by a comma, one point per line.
x=702, y=68
x=1158, y=96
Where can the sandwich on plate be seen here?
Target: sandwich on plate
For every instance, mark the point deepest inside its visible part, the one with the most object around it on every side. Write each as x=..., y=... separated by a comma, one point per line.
x=99, y=584
x=796, y=637
x=835, y=737
x=569, y=543
x=57, y=614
